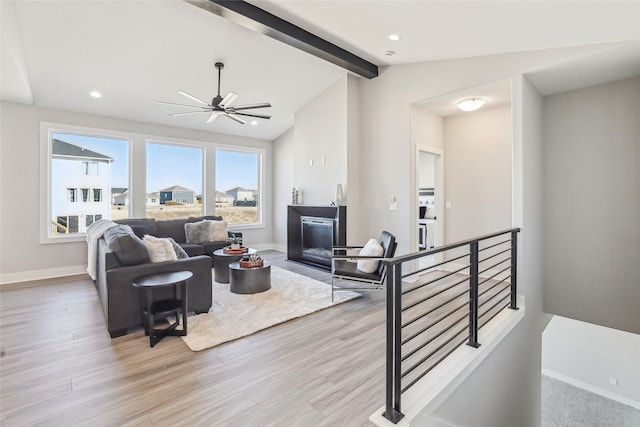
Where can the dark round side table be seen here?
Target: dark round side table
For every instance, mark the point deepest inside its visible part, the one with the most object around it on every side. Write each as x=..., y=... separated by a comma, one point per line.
x=221, y=261
x=249, y=280
x=164, y=307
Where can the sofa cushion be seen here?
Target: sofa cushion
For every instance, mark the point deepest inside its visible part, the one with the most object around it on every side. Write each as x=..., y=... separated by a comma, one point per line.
x=140, y=226
x=180, y=253
x=126, y=246
x=192, y=249
x=173, y=228
x=200, y=218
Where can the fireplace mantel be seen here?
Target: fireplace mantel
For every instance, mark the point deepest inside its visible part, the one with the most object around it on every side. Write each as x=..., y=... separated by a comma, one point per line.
x=338, y=215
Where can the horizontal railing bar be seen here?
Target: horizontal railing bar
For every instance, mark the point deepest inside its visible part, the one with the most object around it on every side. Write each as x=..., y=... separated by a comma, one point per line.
x=495, y=255
x=430, y=340
x=433, y=295
x=493, y=246
x=493, y=286
x=435, y=308
x=490, y=298
x=408, y=291
x=424, y=359
x=434, y=365
x=406, y=340
x=494, y=265
x=435, y=265
x=493, y=315
x=409, y=257
x=499, y=272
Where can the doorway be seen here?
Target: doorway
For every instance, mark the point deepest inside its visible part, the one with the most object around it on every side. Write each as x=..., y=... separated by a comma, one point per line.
x=429, y=200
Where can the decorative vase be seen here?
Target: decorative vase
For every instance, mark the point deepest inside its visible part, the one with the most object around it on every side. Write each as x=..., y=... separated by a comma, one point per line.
x=339, y=195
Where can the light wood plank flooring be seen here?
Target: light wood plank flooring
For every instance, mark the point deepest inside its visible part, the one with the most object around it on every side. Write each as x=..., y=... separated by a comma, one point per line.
x=60, y=367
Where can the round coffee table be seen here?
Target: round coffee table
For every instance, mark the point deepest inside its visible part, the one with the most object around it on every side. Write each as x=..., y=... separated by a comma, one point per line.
x=221, y=261
x=249, y=280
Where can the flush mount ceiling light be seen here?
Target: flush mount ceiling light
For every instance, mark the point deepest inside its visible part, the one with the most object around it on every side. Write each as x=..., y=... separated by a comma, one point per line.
x=394, y=37
x=470, y=104
x=96, y=94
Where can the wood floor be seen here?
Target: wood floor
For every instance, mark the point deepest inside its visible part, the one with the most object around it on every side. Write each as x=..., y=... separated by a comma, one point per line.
x=60, y=367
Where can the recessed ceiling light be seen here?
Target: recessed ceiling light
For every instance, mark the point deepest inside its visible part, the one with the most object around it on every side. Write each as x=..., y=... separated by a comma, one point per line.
x=96, y=94
x=470, y=104
x=254, y=122
x=394, y=37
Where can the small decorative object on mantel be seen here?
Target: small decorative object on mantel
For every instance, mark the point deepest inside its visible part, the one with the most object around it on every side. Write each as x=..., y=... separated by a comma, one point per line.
x=296, y=196
x=339, y=195
x=251, y=261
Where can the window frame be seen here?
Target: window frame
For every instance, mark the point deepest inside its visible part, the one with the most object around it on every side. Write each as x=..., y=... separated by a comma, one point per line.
x=47, y=129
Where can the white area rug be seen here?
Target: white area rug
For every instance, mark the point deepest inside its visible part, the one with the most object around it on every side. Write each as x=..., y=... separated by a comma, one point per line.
x=233, y=316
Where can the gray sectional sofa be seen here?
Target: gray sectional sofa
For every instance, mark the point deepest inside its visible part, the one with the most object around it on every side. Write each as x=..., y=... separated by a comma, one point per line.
x=121, y=261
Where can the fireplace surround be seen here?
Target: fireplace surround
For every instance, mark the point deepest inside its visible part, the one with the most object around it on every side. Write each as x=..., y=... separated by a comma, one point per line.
x=312, y=231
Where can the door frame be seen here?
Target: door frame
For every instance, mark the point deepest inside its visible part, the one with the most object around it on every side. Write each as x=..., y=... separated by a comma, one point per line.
x=439, y=193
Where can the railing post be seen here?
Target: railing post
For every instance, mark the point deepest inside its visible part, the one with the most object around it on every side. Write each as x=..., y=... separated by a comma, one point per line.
x=473, y=295
x=514, y=270
x=393, y=356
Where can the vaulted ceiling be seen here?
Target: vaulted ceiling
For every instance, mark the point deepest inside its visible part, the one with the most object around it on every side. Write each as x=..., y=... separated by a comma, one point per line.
x=138, y=52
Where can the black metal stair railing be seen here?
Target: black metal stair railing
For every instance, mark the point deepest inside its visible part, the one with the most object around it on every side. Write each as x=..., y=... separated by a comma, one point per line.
x=445, y=306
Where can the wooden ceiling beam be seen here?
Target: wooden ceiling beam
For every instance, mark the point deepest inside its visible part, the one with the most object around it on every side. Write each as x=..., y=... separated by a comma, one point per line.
x=263, y=22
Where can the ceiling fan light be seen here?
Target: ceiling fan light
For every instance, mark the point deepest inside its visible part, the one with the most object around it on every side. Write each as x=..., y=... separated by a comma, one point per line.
x=470, y=104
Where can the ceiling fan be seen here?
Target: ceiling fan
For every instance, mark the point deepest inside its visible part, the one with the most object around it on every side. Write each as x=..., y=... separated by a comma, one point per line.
x=219, y=106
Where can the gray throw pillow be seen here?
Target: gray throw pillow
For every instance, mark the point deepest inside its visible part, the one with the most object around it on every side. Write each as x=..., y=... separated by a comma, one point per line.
x=126, y=246
x=180, y=253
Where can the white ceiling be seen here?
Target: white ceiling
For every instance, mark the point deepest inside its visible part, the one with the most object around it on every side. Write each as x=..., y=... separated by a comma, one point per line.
x=138, y=52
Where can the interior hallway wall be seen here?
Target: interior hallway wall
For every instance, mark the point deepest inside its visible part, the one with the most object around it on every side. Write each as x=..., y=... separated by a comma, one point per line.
x=478, y=164
x=592, y=204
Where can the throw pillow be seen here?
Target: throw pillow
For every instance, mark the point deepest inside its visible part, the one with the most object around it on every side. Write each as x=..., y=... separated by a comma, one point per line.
x=205, y=231
x=180, y=252
x=372, y=248
x=126, y=246
x=219, y=231
x=160, y=249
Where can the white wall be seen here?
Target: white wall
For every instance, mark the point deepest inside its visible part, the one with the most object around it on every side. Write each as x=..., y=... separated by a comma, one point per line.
x=22, y=257
x=427, y=175
x=592, y=204
x=321, y=132
x=477, y=172
x=588, y=355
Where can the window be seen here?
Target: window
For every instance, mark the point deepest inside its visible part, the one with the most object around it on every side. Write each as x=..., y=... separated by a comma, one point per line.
x=72, y=194
x=174, y=177
x=238, y=185
x=83, y=166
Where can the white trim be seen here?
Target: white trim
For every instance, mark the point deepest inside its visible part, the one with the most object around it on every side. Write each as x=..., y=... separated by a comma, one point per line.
x=47, y=273
x=434, y=388
x=279, y=248
x=592, y=388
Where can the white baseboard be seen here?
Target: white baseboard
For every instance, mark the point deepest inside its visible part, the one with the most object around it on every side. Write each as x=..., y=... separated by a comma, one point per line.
x=592, y=388
x=280, y=248
x=47, y=273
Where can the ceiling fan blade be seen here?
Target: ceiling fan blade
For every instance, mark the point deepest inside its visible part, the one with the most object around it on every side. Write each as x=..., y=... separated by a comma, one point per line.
x=188, y=112
x=193, y=97
x=249, y=106
x=260, y=116
x=178, y=105
x=213, y=116
x=236, y=118
x=227, y=100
